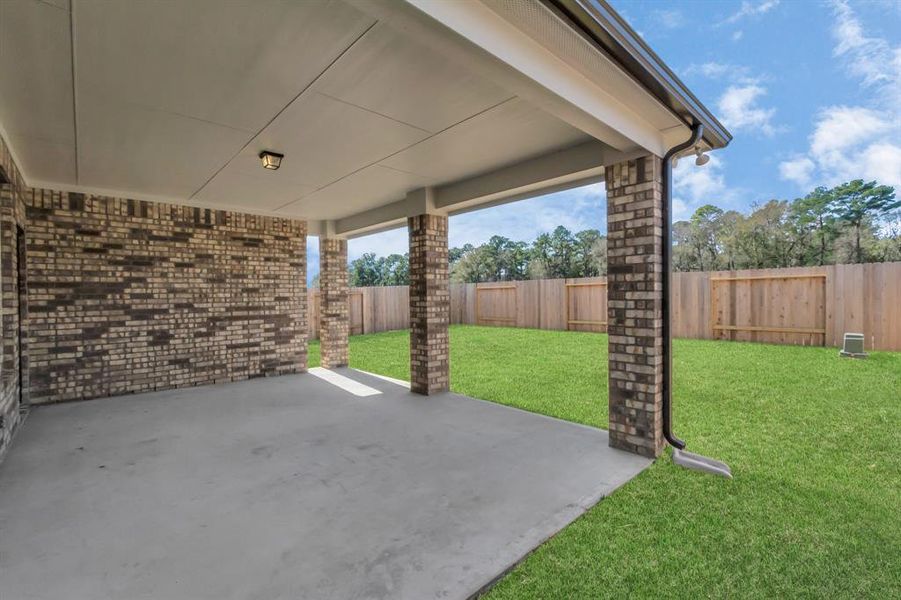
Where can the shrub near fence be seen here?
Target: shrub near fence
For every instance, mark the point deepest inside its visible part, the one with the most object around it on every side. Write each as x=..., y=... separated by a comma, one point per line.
x=804, y=305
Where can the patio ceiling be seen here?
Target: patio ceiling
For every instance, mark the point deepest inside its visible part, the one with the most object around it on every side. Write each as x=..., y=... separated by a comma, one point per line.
x=369, y=101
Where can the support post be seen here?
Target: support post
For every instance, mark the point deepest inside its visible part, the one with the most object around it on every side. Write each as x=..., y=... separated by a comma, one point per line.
x=429, y=304
x=634, y=304
x=334, y=307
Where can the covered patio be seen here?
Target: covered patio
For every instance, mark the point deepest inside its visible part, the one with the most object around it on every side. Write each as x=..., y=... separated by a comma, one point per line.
x=290, y=487
x=161, y=166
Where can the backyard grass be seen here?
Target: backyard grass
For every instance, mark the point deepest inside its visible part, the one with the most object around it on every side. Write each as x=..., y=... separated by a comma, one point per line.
x=814, y=443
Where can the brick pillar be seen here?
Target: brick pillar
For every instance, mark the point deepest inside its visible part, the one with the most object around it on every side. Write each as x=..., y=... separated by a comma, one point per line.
x=429, y=304
x=634, y=296
x=334, y=308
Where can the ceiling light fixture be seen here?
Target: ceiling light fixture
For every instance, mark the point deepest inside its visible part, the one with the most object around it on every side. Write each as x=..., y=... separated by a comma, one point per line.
x=271, y=160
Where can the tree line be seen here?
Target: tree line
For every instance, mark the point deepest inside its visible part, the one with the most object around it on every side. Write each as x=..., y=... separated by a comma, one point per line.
x=853, y=222
x=560, y=253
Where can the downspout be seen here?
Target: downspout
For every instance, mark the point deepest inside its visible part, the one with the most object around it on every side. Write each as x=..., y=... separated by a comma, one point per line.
x=680, y=456
x=696, y=132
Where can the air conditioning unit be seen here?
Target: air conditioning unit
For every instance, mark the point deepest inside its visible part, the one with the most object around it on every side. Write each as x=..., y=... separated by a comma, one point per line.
x=853, y=346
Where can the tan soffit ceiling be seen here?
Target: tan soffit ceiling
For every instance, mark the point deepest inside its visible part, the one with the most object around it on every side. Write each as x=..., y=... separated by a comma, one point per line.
x=174, y=100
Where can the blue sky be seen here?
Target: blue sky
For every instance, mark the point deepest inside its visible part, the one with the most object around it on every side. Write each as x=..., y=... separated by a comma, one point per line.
x=811, y=91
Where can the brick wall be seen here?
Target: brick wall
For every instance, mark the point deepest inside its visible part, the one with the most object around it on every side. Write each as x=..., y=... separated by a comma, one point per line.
x=634, y=296
x=129, y=296
x=12, y=216
x=429, y=304
x=334, y=307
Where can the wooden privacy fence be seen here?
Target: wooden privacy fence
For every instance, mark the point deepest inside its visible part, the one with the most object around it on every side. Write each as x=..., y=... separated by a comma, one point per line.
x=372, y=309
x=780, y=308
x=805, y=305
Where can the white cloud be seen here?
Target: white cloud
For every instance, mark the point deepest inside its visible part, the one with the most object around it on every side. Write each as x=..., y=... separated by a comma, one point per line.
x=849, y=142
x=739, y=109
x=695, y=186
x=681, y=210
x=718, y=70
x=732, y=73
x=737, y=35
x=713, y=70
x=576, y=209
x=882, y=162
x=698, y=183
x=840, y=128
x=740, y=105
x=854, y=142
x=799, y=169
x=871, y=59
x=670, y=19
x=752, y=9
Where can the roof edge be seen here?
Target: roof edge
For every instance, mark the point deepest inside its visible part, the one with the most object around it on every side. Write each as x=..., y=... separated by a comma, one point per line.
x=598, y=21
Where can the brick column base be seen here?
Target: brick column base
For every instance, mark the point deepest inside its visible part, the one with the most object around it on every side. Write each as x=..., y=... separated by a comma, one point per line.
x=429, y=304
x=334, y=308
x=634, y=296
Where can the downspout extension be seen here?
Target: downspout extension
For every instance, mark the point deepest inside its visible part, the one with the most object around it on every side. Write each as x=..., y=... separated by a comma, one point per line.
x=680, y=456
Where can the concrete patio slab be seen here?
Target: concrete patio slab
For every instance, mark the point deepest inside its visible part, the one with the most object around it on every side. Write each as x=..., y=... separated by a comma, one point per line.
x=289, y=487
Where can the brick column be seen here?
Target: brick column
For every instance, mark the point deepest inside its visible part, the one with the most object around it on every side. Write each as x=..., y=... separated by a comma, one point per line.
x=634, y=296
x=429, y=304
x=334, y=308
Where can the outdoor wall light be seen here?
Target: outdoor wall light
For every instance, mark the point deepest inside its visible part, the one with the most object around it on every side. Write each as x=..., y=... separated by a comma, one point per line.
x=271, y=160
x=702, y=158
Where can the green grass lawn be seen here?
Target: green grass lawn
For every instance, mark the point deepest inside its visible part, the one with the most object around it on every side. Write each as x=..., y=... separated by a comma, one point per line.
x=814, y=443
